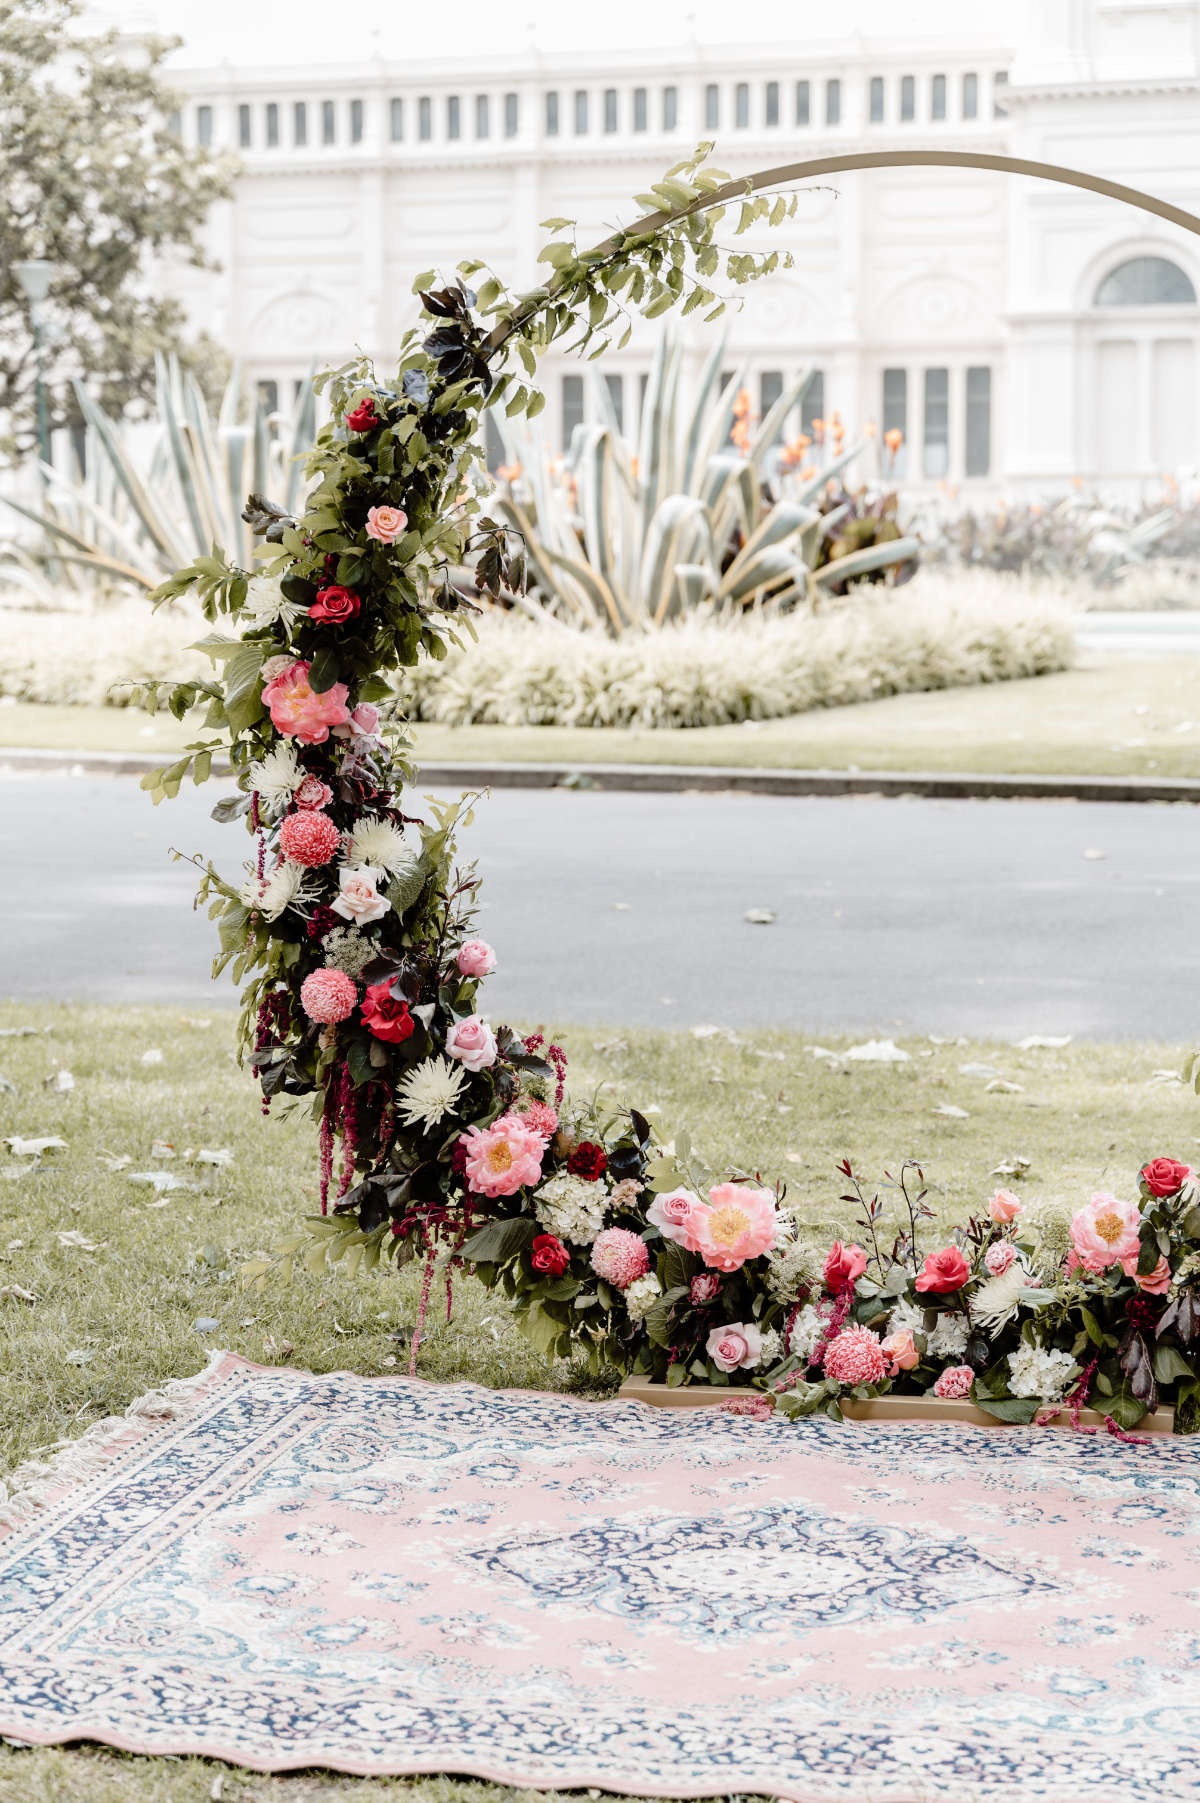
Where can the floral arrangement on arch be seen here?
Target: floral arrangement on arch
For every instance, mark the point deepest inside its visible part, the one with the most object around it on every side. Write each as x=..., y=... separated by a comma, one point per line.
x=448, y=1138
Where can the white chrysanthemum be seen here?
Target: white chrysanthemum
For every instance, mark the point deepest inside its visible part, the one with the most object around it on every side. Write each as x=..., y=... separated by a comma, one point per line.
x=382, y=846
x=807, y=1329
x=641, y=1296
x=277, y=777
x=266, y=605
x=430, y=1092
x=998, y=1298
x=571, y=1208
x=788, y=1267
x=949, y=1338
x=273, y=894
x=1036, y=1371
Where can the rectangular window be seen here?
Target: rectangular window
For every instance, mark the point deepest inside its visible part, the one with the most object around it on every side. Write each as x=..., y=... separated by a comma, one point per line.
x=356, y=121
x=741, y=105
x=895, y=419
x=268, y=395
x=272, y=124
x=483, y=117
x=328, y=122
x=204, y=125
x=610, y=109
x=425, y=118
x=812, y=402
x=770, y=387
x=396, y=113
x=512, y=115
x=833, y=102
x=453, y=116
x=937, y=97
x=581, y=112
x=712, y=106
x=999, y=95
x=937, y=422
x=552, y=114
x=572, y=407
x=300, y=123
x=175, y=122
x=908, y=97
x=670, y=108
x=970, y=97
x=875, y=106
x=771, y=104
x=244, y=127
x=616, y=395
x=802, y=103
x=979, y=421
x=639, y=109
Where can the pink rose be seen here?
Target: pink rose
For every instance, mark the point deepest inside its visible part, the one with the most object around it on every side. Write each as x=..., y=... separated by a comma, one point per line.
x=358, y=899
x=313, y=794
x=1004, y=1206
x=476, y=958
x=900, y=1349
x=299, y=712
x=676, y=1215
x=943, y=1271
x=736, y=1347
x=955, y=1381
x=741, y=1223
x=386, y=524
x=1154, y=1283
x=362, y=725
x=998, y=1257
x=502, y=1158
x=1105, y=1231
x=473, y=1043
x=844, y=1265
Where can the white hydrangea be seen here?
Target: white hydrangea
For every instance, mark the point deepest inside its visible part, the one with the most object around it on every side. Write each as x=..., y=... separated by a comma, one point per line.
x=788, y=1267
x=381, y=845
x=430, y=1092
x=273, y=894
x=641, y=1296
x=772, y=1348
x=276, y=777
x=571, y=1208
x=266, y=605
x=906, y=1317
x=949, y=1338
x=807, y=1329
x=1038, y=1371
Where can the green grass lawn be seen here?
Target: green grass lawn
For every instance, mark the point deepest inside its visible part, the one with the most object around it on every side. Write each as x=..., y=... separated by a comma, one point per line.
x=1132, y=717
x=118, y=1274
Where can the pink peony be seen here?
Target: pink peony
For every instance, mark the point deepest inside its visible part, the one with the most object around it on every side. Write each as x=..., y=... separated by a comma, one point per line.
x=313, y=793
x=385, y=524
x=955, y=1381
x=309, y=838
x=358, y=900
x=943, y=1271
x=998, y=1257
x=299, y=712
x=502, y=1158
x=676, y=1214
x=476, y=958
x=741, y=1223
x=472, y=1042
x=1154, y=1283
x=1004, y=1207
x=735, y=1347
x=856, y=1356
x=900, y=1349
x=328, y=996
x=539, y=1117
x=705, y=1289
x=619, y=1257
x=844, y=1265
x=1105, y=1231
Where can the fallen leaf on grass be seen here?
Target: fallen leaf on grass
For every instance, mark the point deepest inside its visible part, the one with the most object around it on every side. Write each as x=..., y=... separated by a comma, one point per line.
x=62, y=1082
x=205, y=1324
x=21, y=1032
x=153, y=1056
x=73, y=1237
x=83, y=1355
x=15, y=1293
x=999, y=1087
x=33, y=1148
x=877, y=1051
x=1016, y=1166
x=7, y=1086
x=1043, y=1042
x=158, y=1180
x=821, y=1051
x=162, y=1148
x=115, y=1161
x=978, y=1070
x=941, y=1039
x=1164, y=1077
x=951, y=1112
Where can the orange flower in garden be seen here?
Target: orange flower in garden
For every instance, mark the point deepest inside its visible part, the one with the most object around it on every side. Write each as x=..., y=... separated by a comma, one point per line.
x=740, y=434
x=870, y=429
x=508, y=472
x=793, y=451
x=808, y=472
x=818, y=428
x=633, y=465
x=893, y=438
x=741, y=403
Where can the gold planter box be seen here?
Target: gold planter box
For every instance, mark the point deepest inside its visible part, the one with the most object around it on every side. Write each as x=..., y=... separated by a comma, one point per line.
x=884, y=1408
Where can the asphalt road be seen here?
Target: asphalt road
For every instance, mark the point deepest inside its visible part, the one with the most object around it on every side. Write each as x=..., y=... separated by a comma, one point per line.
x=933, y=916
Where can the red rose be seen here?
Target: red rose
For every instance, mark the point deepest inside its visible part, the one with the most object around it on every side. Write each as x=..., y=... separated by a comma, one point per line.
x=363, y=417
x=549, y=1255
x=334, y=606
x=844, y=1265
x=1164, y=1176
x=943, y=1271
x=387, y=1018
x=588, y=1160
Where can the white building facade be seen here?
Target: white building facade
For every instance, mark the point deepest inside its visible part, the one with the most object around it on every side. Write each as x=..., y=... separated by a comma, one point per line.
x=1020, y=334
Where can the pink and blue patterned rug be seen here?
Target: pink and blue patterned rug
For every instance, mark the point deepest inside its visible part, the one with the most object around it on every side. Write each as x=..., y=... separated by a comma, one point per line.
x=393, y=1576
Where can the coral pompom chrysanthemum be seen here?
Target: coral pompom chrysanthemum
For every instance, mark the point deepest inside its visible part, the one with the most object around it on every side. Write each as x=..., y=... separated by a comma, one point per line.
x=620, y=1257
x=328, y=996
x=310, y=839
x=856, y=1356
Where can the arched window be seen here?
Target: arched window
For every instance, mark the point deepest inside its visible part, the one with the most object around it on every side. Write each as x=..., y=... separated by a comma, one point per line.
x=1145, y=282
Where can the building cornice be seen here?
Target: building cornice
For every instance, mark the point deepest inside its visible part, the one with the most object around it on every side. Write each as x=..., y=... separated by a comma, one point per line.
x=1111, y=88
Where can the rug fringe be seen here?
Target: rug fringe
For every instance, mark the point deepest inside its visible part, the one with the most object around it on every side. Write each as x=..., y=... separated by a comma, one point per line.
x=36, y=1482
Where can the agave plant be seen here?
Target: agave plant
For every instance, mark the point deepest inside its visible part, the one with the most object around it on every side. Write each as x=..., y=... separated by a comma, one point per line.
x=625, y=540
x=114, y=521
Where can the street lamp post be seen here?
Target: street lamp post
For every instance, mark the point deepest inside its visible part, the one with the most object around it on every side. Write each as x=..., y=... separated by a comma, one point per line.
x=35, y=278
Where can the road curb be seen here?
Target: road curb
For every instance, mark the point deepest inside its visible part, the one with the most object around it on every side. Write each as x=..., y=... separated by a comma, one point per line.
x=668, y=779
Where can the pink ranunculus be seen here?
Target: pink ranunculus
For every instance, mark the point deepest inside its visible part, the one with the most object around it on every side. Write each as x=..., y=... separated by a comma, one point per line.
x=473, y=1043
x=738, y=1224
x=844, y=1265
x=1004, y=1206
x=476, y=958
x=298, y=711
x=358, y=900
x=998, y=1257
x=502, y=1158
x=1154, y=1283
x=312, y=794
x=676, y=1214
x=955, y=1381
x=619, y=1257
x=736, y=1347
x=900, y=1350
x=386, y=524
x=856, y=1356
x=943, y=1271
x=1105, y=1231
x=706, y=1287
